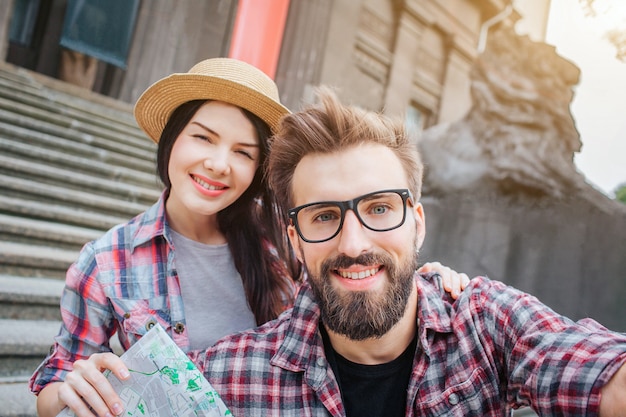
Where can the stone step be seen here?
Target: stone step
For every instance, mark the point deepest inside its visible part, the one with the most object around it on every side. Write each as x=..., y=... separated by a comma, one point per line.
x=23, y=167
x=38, y=232
x=59, y=195
x=38, y=133
x=37, y=102
x=16, y=398
x=30, y=298
x=21, y=259
x=101, y=136
x=79, y=104
x=25, y=343
x=101, y=165
x=70, y=215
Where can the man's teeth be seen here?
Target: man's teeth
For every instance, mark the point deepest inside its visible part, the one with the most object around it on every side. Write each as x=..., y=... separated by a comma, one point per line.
x=358, y=275
x=207, y=185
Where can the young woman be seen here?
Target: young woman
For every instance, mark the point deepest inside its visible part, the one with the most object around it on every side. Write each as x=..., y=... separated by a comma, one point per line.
x=209, y=258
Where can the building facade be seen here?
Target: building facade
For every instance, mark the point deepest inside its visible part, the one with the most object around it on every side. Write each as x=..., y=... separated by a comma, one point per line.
x=408, y=57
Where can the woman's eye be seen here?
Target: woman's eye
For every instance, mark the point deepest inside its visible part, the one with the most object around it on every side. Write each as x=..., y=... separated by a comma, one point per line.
x=203, y=138
x=246, y=154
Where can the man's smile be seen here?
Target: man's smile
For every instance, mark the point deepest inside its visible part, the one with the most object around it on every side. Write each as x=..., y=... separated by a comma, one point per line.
x=365, y=273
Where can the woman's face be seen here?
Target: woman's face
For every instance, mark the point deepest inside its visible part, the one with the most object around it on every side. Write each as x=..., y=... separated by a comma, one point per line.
x=213, y=160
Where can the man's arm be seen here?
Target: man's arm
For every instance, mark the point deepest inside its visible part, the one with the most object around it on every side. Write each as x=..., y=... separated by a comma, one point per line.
x=613, y=395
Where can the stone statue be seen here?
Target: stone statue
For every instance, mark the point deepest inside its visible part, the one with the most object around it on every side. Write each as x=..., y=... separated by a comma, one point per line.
x=519, y=137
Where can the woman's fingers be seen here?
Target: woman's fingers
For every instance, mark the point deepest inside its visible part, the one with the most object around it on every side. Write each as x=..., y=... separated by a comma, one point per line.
x=453, y=282
x=464, y=280
x=86, y=386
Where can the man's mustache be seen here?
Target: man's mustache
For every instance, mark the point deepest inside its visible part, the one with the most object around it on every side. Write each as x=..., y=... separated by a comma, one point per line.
x=343, y=261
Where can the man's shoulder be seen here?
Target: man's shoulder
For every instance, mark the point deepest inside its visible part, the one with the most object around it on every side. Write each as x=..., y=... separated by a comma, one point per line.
x=261, y=340
x=431, y=286
x=440, y=310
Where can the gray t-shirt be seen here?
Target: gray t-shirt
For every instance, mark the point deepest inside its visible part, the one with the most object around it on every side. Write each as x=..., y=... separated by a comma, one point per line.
x=212, y=291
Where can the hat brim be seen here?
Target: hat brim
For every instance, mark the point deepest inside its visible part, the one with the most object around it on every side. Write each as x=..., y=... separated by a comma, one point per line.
x=155, y=106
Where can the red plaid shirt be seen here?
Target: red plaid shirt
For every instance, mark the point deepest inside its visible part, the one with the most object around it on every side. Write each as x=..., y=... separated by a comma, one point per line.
x=493, y=350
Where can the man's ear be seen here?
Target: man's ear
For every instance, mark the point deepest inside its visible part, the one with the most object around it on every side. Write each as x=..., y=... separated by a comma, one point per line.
x=292, y=233
x=420, y=223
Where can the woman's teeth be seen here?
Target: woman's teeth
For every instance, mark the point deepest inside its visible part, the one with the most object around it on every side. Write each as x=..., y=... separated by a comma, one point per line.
x=207, y=185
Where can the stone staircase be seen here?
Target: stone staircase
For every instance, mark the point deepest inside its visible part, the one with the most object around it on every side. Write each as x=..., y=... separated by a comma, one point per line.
x=72, y=165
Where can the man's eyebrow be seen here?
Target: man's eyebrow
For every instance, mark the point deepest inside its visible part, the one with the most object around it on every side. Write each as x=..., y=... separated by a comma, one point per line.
x=213, y=132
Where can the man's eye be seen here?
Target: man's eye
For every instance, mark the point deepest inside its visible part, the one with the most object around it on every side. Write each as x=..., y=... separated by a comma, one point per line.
x=379, y=209
x=325, y=217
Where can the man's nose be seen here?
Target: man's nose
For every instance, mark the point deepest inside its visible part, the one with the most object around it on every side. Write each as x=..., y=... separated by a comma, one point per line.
x=353, y=237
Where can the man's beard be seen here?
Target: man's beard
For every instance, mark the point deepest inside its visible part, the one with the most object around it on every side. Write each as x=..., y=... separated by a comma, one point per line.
x=361, y=315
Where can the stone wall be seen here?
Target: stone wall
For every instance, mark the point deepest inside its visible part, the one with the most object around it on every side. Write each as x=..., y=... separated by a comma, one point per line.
x=172, y=37
x=570, y=254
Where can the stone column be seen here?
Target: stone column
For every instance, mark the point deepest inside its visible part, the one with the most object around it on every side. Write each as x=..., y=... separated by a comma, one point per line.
x=455, y=97
x=408, y=36
x=6, y=11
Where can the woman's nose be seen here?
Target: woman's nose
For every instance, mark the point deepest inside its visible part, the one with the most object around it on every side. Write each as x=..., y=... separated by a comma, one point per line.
x=217, y=162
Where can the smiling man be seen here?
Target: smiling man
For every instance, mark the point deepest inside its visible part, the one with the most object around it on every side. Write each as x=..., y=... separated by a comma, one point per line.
x=368, y=336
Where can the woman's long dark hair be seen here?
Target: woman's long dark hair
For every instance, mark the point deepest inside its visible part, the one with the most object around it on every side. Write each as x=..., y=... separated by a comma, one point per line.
x=247, y=223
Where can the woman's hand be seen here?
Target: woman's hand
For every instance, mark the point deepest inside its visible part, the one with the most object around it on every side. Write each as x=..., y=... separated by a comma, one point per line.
x=453, y=282
x=86, y=387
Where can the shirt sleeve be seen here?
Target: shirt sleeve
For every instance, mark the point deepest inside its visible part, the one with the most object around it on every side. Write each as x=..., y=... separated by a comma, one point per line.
x=555, y=365
x=86, y=327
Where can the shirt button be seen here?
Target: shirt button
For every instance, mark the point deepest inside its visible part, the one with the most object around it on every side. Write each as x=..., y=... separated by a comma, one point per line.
x=126, y=315
x=150, y=324
x=320, y=362
x=453, y=399
x=179, y=328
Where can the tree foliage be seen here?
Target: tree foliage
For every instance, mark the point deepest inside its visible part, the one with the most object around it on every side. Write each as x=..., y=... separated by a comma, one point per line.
x=615, y=35
x=620, y=193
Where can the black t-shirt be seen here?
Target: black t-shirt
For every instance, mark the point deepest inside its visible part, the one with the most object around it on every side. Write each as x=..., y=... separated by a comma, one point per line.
x=372, y=390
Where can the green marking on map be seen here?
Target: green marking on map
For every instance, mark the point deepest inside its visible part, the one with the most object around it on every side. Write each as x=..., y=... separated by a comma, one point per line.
x=192, y=385
x=172, y=374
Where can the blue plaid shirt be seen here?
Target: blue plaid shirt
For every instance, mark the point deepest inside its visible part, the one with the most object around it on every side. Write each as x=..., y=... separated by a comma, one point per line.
x=123, y=282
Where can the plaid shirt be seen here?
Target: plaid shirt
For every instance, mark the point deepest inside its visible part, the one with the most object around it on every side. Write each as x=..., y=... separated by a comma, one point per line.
x=494, y=349
x=123, y=282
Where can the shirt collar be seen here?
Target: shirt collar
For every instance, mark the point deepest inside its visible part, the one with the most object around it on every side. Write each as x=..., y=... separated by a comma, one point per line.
x=152, y=223
x=303, y=341
x=302, y=333
x=434, y=304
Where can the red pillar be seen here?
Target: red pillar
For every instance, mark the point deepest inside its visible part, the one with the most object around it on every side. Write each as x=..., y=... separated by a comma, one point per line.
x=258, y=33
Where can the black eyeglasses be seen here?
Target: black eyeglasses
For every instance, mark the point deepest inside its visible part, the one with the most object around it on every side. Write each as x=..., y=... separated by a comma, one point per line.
x=379, y=211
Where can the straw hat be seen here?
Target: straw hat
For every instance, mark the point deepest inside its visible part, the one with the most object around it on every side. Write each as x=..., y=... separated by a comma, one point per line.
x=223, y=79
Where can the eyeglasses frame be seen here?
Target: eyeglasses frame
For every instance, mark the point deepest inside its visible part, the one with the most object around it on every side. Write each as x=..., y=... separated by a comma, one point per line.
x=346, y=205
